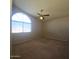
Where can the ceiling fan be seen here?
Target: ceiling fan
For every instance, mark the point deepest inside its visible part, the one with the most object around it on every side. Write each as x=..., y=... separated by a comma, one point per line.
x=42, y=15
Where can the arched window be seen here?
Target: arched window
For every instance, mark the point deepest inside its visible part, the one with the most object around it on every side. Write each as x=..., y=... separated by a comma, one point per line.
x=21, y=23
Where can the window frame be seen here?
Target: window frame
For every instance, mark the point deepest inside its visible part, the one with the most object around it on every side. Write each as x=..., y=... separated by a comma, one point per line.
x=22, y=23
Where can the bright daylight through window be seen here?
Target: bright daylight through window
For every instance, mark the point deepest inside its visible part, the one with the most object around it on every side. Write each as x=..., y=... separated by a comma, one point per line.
x=20, y=23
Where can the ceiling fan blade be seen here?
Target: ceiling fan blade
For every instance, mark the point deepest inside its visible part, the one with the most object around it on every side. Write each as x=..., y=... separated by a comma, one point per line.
x=39, y=14
x=46, y=15
x=43, y=15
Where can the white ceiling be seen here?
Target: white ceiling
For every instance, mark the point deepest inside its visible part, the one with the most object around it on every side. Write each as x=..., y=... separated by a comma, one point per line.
x=56, y=8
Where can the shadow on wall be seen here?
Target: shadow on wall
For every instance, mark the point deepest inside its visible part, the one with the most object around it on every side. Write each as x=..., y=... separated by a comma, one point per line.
x=58, y=29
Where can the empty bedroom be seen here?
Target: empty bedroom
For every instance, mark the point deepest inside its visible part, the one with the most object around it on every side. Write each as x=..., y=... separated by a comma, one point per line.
x=39, y=29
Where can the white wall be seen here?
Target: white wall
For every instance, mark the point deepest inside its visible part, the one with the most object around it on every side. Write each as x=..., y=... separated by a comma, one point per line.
x=53, y=29
x=58, y=28
x=35, y=33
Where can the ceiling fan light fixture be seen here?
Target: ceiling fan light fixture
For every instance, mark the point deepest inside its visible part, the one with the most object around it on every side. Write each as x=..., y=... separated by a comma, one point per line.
x=41, y=17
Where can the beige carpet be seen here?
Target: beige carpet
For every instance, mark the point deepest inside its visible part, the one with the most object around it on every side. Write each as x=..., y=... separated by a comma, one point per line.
x=41, y=49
